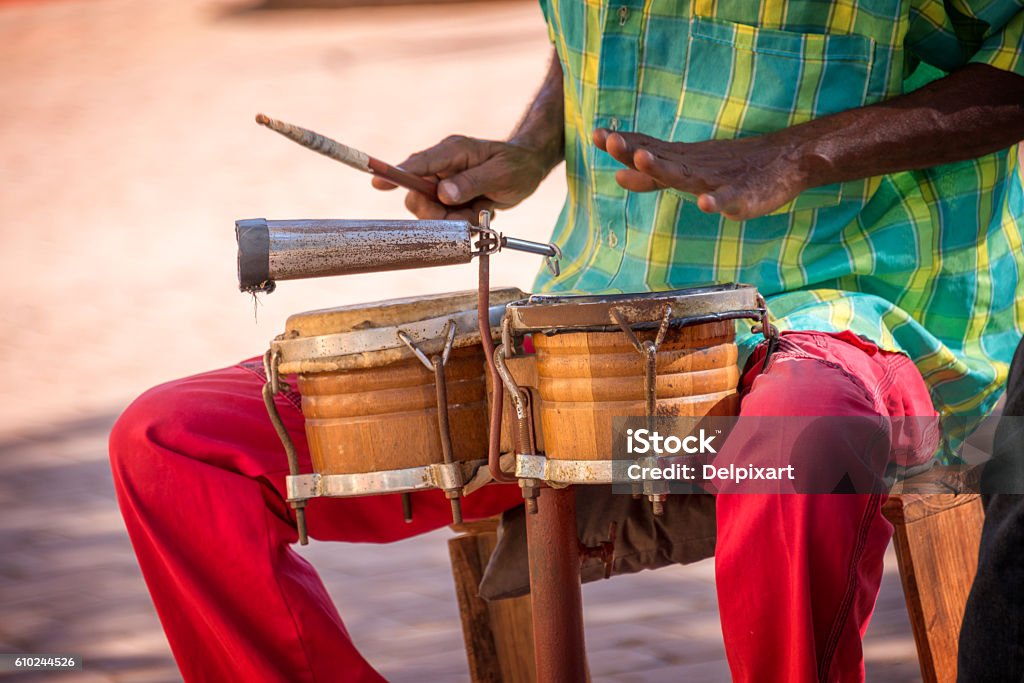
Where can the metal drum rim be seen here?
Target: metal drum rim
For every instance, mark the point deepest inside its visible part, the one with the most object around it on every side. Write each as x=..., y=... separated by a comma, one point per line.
x=381, y=345
x=569, y=313
x=340, y=345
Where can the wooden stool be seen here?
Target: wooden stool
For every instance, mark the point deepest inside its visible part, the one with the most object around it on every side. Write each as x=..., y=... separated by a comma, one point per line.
x=937, y=534
x=498, y=635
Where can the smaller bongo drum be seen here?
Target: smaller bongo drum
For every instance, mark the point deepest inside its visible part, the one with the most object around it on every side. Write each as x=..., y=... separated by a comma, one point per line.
x=667, y=353
x=393, y=394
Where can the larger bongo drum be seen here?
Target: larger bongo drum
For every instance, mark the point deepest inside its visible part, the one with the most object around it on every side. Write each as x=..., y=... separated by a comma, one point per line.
x=393, y=393
x=670, y=354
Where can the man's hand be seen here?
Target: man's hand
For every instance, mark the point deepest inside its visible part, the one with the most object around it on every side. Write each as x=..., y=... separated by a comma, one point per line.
x=485, y=174
x=741, y=179
x=474, y=175
x=974, y=111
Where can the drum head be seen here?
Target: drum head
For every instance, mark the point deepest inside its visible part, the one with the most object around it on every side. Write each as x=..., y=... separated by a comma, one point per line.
x=594, y=313
x=366, y=335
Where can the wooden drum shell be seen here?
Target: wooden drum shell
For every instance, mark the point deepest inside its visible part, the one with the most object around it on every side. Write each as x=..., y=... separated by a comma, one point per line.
x=370, y=405
x=385, y=418
x=585, y=379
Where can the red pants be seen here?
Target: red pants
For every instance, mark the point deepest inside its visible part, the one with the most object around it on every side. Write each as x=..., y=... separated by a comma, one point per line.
x=200, y=474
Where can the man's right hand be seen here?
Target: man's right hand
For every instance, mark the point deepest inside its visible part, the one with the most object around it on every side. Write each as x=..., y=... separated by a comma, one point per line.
x=474, y=175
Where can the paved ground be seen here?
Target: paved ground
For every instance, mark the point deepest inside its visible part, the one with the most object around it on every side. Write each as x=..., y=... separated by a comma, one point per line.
x=126, y=153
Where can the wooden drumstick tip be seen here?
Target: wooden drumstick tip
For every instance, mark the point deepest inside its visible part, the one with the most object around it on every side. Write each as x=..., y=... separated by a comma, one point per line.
x=333, y=149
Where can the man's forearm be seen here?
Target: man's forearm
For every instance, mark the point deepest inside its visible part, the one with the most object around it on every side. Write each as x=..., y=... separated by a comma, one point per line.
x=543, y=126
x=972, y=112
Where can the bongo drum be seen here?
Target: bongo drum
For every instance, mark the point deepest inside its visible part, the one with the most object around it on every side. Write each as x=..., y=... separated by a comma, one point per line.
x=393, y=393
x=669, y=354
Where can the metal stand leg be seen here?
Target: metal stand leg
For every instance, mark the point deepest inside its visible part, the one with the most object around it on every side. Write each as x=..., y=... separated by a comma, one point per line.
x=554, y=551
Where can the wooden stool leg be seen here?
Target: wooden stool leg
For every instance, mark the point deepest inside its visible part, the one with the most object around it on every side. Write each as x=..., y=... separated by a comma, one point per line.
x=937, y=538
x=498, y=635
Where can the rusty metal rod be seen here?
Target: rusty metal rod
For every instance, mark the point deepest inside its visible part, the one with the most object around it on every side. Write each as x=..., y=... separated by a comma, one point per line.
x=554, y=550
x=444, y=429
x=497, y=388
x=522, y=435
x=270, y=389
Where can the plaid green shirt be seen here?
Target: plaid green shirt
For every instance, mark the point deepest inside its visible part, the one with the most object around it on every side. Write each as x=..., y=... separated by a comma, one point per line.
x=924, y=262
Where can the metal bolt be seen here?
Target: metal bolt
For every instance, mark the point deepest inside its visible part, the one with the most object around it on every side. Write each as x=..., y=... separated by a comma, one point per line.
x=657, y=503
x=407, y=507
x=456, y=507
x=530, y=491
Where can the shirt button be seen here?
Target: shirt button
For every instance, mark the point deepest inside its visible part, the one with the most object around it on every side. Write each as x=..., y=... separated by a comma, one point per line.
x=613, y=124
x=623, y=15
x=613, y=239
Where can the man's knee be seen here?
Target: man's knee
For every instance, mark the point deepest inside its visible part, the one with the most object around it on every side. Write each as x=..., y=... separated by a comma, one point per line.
x=807, y=387
x=134, y=437
x=820, y=420
x=194, y=417
x=179, y=430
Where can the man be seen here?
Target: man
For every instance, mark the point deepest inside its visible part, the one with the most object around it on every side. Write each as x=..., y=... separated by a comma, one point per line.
x=778, y=149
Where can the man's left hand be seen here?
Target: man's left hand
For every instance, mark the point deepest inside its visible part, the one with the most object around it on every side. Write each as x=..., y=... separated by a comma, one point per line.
x=740, y=179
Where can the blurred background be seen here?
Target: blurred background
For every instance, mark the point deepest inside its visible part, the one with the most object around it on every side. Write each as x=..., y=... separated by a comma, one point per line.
x=127, y=151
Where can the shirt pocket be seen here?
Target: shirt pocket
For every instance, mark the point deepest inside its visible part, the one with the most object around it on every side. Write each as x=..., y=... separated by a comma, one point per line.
x=742, y=80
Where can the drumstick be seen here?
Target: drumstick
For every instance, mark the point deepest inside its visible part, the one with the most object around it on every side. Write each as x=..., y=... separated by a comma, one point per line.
x=349, y=156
